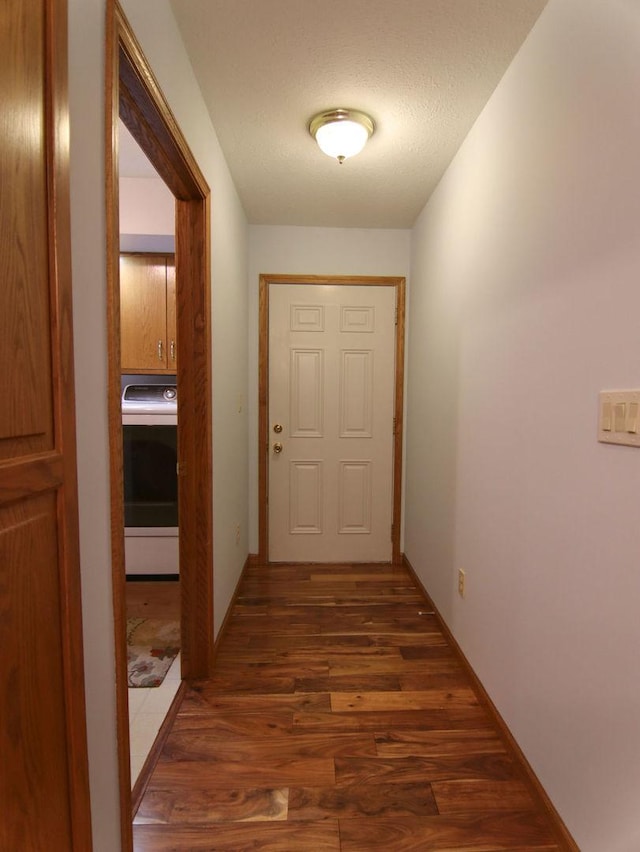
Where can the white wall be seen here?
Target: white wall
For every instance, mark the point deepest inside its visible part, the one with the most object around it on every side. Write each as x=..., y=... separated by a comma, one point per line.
x=146, y=206
x=155, y=27
x=86, y=95
x=147, y=215
x=309, y=251
x=525, y=303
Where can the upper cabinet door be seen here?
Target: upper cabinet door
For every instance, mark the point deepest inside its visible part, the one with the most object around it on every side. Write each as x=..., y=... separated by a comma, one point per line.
x=147, y=313
x=145, y=346
x=44, y=794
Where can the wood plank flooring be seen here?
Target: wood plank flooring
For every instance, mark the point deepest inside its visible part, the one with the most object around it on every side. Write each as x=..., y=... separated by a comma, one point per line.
x=153, y=599
x=337, y=720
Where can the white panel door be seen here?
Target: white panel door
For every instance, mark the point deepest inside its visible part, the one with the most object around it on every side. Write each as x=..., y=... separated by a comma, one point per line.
x=331, y=389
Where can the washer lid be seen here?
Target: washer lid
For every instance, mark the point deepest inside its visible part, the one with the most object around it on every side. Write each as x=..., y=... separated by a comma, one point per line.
x=150, y=399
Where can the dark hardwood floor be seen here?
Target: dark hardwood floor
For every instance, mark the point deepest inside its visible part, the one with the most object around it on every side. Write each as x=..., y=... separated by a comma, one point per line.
x=338, y=720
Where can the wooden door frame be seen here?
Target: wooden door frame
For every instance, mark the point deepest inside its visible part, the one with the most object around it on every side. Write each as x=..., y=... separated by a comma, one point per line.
x=133, y=93
x=269, y=280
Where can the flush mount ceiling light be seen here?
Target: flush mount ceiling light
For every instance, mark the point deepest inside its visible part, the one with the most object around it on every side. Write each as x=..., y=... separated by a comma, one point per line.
x=341, y=133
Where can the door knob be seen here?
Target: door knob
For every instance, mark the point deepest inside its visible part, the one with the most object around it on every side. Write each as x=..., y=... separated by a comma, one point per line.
x=277, y=447
x=277, y=428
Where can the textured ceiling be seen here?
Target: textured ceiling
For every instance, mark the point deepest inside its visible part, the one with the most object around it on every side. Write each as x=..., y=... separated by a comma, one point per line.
x=423, y=69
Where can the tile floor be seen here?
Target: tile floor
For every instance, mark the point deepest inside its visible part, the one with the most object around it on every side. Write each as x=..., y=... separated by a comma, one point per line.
x=147, y=711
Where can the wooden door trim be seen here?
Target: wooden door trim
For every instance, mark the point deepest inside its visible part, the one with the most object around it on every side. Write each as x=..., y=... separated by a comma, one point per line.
x=268, y=280
x=59, y=228
x=133, y=94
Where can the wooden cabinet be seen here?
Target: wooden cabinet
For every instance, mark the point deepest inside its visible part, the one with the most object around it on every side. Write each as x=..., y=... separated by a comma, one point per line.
x=148, y=313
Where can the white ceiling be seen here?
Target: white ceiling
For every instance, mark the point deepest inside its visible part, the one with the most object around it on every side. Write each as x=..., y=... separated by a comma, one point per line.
x=423, y=69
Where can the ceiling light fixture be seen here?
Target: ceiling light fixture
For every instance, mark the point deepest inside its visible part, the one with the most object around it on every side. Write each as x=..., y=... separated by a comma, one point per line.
x=341, y=133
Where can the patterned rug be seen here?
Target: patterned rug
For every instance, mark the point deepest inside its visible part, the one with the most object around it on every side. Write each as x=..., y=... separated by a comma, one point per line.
x=152, y=645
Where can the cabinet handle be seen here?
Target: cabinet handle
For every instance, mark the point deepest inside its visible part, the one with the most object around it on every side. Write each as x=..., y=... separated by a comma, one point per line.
x=172, y=350
x=159, y=350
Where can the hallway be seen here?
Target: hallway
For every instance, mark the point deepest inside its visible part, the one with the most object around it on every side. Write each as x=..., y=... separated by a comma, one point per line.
x=338, y=720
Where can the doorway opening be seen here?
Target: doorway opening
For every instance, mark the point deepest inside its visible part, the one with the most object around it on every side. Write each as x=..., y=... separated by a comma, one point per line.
x=134, y=96
x=148, y=363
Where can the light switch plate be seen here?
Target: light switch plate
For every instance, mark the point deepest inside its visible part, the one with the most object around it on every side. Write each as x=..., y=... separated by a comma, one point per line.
x=619, y=417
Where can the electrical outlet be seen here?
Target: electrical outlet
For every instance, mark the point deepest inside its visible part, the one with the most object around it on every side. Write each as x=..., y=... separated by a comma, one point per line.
x=461, y=580
x=237, y=533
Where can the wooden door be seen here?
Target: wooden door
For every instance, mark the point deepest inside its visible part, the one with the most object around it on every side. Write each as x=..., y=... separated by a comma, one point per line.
x=44, y=799
x=143, y=313
x=172, y=348
x=331, y=413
